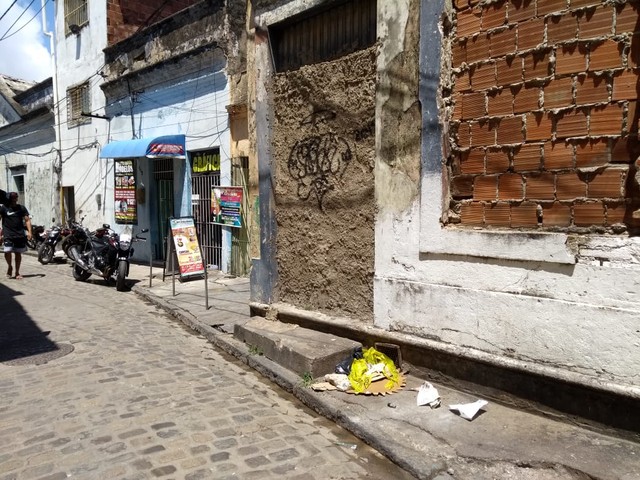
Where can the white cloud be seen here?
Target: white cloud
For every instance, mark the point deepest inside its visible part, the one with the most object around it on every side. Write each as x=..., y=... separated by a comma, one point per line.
x=23, y=52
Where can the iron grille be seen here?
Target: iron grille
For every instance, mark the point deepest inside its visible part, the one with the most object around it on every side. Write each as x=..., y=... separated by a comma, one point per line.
x=76, y=12
x=324, y=35
x=78, y=101
x=209, y=233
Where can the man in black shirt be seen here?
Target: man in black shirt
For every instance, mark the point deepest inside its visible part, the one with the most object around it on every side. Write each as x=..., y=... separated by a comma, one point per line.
x=15, y=218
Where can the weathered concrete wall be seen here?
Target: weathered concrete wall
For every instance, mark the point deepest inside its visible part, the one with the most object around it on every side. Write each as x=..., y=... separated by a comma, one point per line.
x=323, y=146
x=540, y=300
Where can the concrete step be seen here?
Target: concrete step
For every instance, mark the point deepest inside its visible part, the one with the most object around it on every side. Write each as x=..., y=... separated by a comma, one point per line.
x=298, y=349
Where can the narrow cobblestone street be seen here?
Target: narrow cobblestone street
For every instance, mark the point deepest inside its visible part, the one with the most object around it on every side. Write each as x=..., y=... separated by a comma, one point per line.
x=139, y=396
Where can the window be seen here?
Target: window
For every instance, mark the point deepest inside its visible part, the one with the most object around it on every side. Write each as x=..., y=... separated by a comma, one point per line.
x=324, y=34
x=18, y=174
x=78, y=101
x=76, y=15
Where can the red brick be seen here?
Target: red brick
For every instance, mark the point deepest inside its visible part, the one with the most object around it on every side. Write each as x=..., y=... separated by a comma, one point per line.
x=633, y=54
x=626, y=85
x=457, y=107
x=510, y=131
x=501, y=103
x=627, y=18
x=462, y=187
x=494, y=15
x=469, y=22
x=485, y=188
x=625, y=149
x=520, y=10
x=592, y=153
x=606, y=120
x=473, y=105
x=497, y=215
x=606, y=55
x=591, y=89
x=527, y=158
x=483, y=76
x=571, y=59
x=461, y=4
x=558, y=93
x=510, y=187
x=509, y=71
x=464, y=135
x=616, y=213
x=503, y=42
x=558, y=156
x=556, y=215
x=462, y=82
x=540, y=186
x=550, y=6
x=472, y=162
x=478, y=48
x=526, y=99
x=524, y=215
x=562, y=28
x=459, y=53
x=538, y=126
x=536, y=65
x=530, y=34
x=569, y=186
x=574, y=4
x=595, y=22
x=607, y=184
x=482, y=133
x=472, y=214
x=587, y=214
x=497, y=161
x=571, y=124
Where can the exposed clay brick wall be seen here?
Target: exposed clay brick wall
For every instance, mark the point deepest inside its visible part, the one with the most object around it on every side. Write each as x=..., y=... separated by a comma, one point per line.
x=124, y=18
x=544, y=114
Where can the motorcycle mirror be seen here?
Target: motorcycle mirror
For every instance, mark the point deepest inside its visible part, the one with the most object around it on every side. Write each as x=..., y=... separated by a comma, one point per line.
x=106, y=225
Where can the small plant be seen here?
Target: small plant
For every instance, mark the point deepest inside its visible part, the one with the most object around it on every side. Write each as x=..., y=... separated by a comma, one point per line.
x=255, y=350
x=307, y=379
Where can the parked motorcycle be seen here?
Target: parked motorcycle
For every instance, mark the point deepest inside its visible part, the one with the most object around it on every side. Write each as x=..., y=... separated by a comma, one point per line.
x=102, y=252
x=38, y=236
x=52, y=245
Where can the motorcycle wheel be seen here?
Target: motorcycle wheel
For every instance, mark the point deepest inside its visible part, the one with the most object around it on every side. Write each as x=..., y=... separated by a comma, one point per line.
x=121, y=276
x=45, y=253
x=79, y=274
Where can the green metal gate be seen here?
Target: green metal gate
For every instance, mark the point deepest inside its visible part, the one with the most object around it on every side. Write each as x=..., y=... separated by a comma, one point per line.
x=163, y=174
x=240, y=259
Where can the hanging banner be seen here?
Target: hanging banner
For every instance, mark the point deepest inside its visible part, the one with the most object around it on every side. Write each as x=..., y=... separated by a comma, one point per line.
x=226, y=206
x=126, y=209
x=185, y=240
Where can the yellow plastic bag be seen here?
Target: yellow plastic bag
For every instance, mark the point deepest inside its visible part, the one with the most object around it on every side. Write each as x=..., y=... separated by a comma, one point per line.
x=361, y=375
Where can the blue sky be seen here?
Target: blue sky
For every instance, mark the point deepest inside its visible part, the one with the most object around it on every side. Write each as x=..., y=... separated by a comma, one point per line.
x=24, y=50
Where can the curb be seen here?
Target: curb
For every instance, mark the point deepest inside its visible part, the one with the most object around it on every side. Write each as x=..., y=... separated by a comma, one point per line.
x=329, y=407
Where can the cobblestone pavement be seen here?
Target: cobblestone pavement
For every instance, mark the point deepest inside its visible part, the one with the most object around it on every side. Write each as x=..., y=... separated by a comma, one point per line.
x=141, y=397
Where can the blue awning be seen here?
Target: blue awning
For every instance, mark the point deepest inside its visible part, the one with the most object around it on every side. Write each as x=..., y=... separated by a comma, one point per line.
x=167, y=146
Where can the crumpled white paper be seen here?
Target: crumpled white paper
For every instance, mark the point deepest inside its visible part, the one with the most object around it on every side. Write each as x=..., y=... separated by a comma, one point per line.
x=469, y=410
x=428, y=395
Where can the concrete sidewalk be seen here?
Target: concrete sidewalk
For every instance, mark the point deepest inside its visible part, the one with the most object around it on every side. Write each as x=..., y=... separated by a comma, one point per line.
x=500, y=443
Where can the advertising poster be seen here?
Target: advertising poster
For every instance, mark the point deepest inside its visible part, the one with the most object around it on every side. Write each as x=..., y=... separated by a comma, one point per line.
x=226, y=206
x=125, y=207
x=185, y=241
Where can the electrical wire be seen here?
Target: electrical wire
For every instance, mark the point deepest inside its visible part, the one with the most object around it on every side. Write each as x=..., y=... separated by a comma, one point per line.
x=19, y=17
x=30, y=20
x=7, y=10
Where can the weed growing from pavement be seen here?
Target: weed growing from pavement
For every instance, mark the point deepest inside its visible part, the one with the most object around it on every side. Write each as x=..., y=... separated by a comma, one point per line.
x=307, y=379
x=255, y=350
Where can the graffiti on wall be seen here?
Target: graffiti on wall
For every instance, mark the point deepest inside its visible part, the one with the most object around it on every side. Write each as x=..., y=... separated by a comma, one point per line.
x=317, y=163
